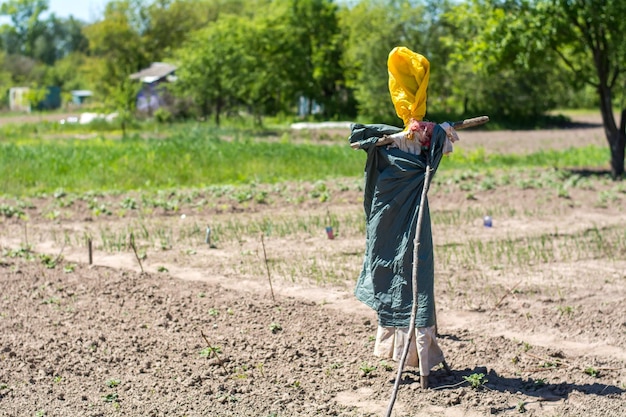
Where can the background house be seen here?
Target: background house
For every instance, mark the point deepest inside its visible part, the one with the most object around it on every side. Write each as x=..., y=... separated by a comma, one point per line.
x=152, y=95
x=18, y=100
x=80, y=96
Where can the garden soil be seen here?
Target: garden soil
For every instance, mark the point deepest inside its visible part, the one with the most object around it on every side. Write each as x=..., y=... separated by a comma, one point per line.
x=267, y=325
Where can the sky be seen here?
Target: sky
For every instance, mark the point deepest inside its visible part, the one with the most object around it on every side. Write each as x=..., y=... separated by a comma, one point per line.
x=85, y=10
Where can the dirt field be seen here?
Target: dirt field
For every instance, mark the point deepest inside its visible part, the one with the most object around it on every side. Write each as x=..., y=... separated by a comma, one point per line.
x=259, y=319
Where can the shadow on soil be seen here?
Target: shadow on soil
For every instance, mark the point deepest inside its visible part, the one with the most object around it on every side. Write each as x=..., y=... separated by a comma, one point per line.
x=591, y=173
x=534, y=388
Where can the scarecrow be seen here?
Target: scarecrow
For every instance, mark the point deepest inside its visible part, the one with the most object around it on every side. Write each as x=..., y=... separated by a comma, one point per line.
x=397, y=278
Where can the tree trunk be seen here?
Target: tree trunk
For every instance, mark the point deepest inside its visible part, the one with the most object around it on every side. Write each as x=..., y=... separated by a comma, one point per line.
x=218, y=110
x=617, y=149
x=616, y=137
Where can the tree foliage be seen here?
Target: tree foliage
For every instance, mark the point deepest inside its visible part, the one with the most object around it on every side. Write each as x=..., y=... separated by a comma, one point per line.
x=264, y=62
x=587, y=36
x=511, y=59
x=551, y=46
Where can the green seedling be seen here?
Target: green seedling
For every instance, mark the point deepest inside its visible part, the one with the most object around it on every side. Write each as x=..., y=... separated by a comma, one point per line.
x=592, y=372
x=213, y=312
x=476, y=380
x=240, y=372
x=162, y=269
x=565, y=310
x=521, y=407
x=10, y=211
x=275, y=328
x=386, y=366
x=112, y=383
x=550, y=364
x=68, y=269
x=110, y=398
x=260, y=366
x=49, y=261
x=540, y=382
x=23, y=252
x=57, y=379
x=209, y=351
x=366, y=369
x=129, y=203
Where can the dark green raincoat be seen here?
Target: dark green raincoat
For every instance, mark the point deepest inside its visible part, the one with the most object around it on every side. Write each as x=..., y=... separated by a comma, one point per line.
x=393, y=186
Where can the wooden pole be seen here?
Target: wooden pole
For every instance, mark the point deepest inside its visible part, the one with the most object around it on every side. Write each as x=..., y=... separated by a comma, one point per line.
x=132, y=245
x=90, y=251
x=416, y=244
x=267, y=268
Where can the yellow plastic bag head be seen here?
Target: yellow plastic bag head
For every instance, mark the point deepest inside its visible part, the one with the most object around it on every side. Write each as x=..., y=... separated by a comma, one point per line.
x=408, y=82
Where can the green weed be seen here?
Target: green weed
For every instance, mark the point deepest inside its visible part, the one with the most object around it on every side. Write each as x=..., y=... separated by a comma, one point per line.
x=209, y=351
x=476, y=380
x=366, y=369
x=110, y=398
x=275, y=327
x=112, y=383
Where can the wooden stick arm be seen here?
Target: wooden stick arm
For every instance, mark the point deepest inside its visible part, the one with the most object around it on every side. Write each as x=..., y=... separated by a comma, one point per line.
x=463, y=124
x=474, y=121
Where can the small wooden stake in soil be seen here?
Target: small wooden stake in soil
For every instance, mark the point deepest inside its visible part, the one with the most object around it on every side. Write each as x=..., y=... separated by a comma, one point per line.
x=90, y=252
x=416, y=244
x=504, y=296
x=58, y=258
x=213, y=351
x=132, y=245
x=267, y=268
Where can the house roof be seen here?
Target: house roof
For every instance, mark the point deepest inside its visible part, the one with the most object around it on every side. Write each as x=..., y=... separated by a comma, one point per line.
x=81, y=93
x=154, y=72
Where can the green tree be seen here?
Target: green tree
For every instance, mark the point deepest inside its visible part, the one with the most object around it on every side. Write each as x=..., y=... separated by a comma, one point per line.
x=59, y=38
x=210, y=66
x=117, y=50
x=117, y=42
x=491, y=69
x=372, y=28
x=587, y=36
x=123, y=99
x=578, y=38
x=314, y=26
x=166, y=24
x=69, y=73
x=251, y=60
x=26, y=28
x=35, y=96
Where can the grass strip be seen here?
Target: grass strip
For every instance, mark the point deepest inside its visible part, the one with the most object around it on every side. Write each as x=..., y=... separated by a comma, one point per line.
x=31, y=166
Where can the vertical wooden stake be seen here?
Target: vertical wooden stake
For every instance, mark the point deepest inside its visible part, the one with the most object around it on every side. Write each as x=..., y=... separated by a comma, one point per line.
x=90, y=251
x=132, y=245
x=416, y=244
x=267, y=268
